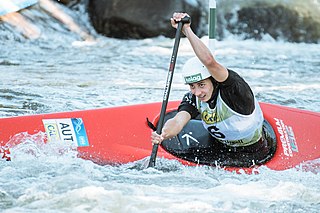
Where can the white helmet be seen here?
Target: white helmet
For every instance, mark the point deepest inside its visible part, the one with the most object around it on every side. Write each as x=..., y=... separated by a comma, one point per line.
x=194, y=71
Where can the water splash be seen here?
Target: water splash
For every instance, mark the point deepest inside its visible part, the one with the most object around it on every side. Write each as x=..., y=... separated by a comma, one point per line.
x=24, y=146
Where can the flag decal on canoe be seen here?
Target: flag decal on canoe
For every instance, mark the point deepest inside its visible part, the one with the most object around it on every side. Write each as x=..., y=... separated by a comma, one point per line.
x=67, y=130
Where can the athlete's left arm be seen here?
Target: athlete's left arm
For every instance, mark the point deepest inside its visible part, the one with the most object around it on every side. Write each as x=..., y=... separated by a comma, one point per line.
x=218, y=71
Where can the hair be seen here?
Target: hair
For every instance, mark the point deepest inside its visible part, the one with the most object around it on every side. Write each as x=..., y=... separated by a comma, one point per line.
x=214, y=82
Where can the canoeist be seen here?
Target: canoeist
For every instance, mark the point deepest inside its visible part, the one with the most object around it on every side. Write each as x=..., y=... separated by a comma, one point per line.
x=228, y=108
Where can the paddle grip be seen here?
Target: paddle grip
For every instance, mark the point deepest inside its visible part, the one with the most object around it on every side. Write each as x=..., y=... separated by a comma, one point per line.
x=184, y=20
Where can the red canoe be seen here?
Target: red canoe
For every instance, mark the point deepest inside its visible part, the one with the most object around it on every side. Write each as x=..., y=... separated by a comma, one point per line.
x=119, y=135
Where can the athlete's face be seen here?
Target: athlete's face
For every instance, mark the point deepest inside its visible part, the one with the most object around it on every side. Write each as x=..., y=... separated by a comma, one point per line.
x=202, y=89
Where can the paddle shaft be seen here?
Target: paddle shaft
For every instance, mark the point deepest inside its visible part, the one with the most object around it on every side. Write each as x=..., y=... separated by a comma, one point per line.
x=153, y=155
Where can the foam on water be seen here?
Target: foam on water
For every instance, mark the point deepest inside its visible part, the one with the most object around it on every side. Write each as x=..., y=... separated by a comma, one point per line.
x=64, y=183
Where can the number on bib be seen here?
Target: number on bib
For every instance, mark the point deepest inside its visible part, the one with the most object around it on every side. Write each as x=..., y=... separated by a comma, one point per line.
x=215, y=132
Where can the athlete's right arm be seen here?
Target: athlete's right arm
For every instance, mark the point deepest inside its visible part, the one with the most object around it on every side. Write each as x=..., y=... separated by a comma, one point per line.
x=172, y=127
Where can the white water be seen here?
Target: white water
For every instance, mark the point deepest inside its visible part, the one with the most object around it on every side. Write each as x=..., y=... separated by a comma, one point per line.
x=59, y=72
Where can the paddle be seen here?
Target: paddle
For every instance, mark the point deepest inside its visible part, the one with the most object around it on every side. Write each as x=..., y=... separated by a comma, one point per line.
x=184, y=20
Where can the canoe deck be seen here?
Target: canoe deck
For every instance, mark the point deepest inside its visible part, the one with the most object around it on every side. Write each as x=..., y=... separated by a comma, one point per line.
x=119, y=135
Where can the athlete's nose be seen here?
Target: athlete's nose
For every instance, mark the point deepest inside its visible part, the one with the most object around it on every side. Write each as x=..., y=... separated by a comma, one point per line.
x=196, y=91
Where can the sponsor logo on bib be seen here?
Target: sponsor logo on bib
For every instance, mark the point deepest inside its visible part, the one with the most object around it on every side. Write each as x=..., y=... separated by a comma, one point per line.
x=209, y=116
